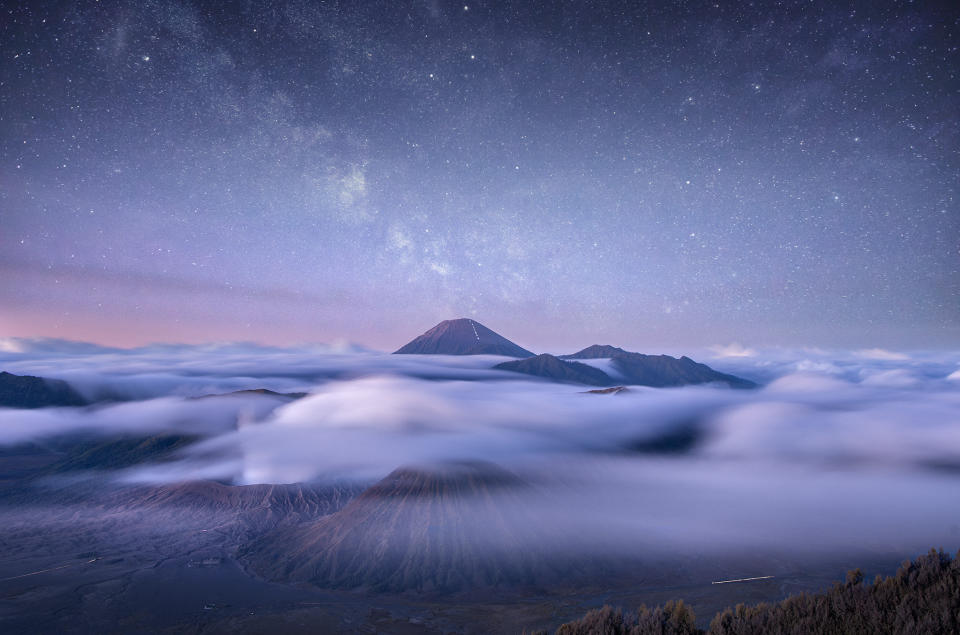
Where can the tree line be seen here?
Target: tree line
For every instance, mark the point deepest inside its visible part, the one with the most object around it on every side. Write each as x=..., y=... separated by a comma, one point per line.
x=922, y=597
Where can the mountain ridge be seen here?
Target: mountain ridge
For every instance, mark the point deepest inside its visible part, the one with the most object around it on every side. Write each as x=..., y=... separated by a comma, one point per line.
x=553, y=368
x=27, y=391
x=658, y=371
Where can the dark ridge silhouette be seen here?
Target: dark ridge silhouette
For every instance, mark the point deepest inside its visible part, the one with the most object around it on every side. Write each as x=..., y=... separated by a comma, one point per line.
x=596, y=351
x=462, y=337
x=555, y=369
x=659, y=371
x=615, y=390
x=26, y=391
x=922, y=597
x=266, y=392
x=116, y=454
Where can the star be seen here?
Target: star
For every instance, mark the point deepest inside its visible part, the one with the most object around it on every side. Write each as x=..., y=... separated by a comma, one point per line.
x=589, y=134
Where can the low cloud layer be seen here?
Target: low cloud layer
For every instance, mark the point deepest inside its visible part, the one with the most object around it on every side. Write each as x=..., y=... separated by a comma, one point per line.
x=371, y=425
x=833, y=445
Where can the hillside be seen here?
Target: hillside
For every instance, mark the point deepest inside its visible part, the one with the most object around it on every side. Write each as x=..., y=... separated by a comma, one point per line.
x=438, y=529
x=25, y=391
x=658, y=371
x=555, y=369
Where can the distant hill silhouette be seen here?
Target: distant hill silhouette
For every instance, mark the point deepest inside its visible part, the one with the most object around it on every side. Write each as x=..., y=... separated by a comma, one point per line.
x=263, y=392
x=597, y=351
x=555, y=369
x=26, y=391
x=117, y=453
x=614, y=390
x=659, y=371
x=462, y=337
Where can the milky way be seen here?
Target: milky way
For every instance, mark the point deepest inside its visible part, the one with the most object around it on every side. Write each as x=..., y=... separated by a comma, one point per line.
x=565, y=172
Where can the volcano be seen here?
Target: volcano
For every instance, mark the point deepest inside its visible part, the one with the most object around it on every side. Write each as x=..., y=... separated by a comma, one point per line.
x=428, y=529
x=462, y=336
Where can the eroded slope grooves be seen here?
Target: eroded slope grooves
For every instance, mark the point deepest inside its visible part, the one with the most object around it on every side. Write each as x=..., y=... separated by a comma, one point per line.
x=239, y=511
x=462, y=337
x=437, y=529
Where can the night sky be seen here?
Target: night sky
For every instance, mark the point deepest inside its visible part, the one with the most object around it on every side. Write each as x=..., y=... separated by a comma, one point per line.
x=564, y=172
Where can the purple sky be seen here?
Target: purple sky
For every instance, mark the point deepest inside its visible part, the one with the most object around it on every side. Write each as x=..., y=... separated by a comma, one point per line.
x=565, y=173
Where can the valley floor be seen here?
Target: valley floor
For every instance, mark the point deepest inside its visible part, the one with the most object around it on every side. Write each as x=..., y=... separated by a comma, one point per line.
x=110, y=569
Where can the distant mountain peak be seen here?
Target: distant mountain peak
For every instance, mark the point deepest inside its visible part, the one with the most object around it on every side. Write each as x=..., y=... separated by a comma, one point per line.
x=462, y=336
x=597, y=351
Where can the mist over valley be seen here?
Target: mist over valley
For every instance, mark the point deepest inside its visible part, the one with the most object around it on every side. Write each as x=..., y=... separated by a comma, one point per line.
x=462, y=479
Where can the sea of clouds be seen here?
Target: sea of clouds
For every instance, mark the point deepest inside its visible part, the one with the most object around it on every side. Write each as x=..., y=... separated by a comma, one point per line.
x=863, y=445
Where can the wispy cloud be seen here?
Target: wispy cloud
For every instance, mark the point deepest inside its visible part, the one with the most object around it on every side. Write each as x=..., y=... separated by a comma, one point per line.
x=881, y=353
x=733, y=350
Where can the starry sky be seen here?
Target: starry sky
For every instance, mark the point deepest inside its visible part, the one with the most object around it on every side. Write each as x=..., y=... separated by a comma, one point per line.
x=564, y=172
